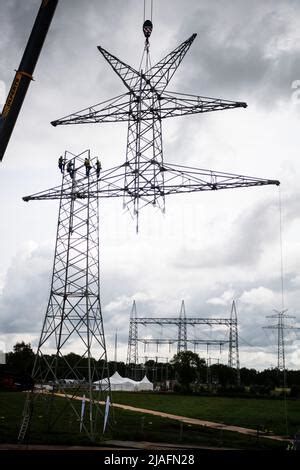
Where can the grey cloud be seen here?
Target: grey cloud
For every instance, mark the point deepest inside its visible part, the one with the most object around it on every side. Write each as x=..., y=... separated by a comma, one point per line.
x=24, y=294
x=247, y=49
x=253, y=230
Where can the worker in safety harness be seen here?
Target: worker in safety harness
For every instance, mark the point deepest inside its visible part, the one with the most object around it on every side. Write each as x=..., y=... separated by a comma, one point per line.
x=61, y=163
x=87, y=164
x=98, y=168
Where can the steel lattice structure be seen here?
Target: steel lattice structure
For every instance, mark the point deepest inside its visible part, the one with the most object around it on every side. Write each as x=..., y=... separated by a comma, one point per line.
x=132, y=351
x=73, y=317
x=182, y=339
x=158, y=341
x=233, y=356
x=144, y=178
x=280, y=326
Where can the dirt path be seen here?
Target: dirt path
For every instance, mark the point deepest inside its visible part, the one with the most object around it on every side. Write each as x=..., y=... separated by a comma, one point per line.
x=186, y=420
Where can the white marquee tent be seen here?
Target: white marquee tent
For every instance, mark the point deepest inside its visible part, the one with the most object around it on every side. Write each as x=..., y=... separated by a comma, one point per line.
x=118, y=383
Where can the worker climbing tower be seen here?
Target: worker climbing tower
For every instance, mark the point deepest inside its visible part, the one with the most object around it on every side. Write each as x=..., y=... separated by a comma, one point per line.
x=73, y=320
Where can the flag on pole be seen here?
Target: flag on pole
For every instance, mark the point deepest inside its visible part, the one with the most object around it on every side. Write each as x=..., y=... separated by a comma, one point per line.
x=82, y=412
x=106, y=413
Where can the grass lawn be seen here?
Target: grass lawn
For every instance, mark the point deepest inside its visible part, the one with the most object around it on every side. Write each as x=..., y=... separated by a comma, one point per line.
x=125, y=425
x=247, y=412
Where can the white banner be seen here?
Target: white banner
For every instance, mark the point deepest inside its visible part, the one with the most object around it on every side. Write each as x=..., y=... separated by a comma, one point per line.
x=106, y=413
x=82, y=412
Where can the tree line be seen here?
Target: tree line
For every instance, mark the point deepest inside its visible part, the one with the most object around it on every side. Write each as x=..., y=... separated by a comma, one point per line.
x=186, y=372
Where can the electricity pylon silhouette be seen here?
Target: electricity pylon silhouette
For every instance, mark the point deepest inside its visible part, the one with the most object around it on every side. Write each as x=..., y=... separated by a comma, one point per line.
x=73, y=318
x=147, y=179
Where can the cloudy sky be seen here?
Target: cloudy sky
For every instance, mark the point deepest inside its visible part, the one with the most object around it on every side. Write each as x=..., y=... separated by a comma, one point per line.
x=207, y=248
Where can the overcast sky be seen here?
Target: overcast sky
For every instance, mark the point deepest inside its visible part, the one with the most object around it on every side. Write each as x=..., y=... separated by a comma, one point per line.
x=207, y=248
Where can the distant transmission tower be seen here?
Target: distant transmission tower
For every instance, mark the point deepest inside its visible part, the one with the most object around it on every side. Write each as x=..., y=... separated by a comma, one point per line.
x=280, y=326
x=233, y=356
x=73, y=318
x=132, y=352
x=182, y=337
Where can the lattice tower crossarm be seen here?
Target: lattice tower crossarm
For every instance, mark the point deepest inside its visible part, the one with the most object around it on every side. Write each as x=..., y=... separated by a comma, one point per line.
x=178, y=179
x=73, y=318
x=195, y=341
x=174, y=340
x=176, y=321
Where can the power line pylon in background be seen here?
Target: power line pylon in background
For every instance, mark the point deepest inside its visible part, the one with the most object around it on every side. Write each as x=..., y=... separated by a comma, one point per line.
x=132, y=351
x=233, y=355
x=73, y=318
x=280, y=326
x=182, y=336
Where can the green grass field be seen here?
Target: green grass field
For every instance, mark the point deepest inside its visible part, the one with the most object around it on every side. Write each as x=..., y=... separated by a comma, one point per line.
x=247, y=412
x=131, y=426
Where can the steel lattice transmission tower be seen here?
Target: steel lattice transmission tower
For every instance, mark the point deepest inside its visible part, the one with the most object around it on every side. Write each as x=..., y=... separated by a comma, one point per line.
x=280, y=326
x=233, y=355
x=144, y=178
x=182, y=337
x=132, y=351
x=73, y=318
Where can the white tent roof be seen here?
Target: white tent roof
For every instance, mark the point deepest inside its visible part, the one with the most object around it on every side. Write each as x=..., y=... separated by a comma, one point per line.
x=145, y=380
x=116, y=380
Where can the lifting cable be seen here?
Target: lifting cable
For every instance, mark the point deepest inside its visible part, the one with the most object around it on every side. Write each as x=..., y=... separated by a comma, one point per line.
x=281, y=249
x=147, y=29
x=282, y=307
x=151, y=10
